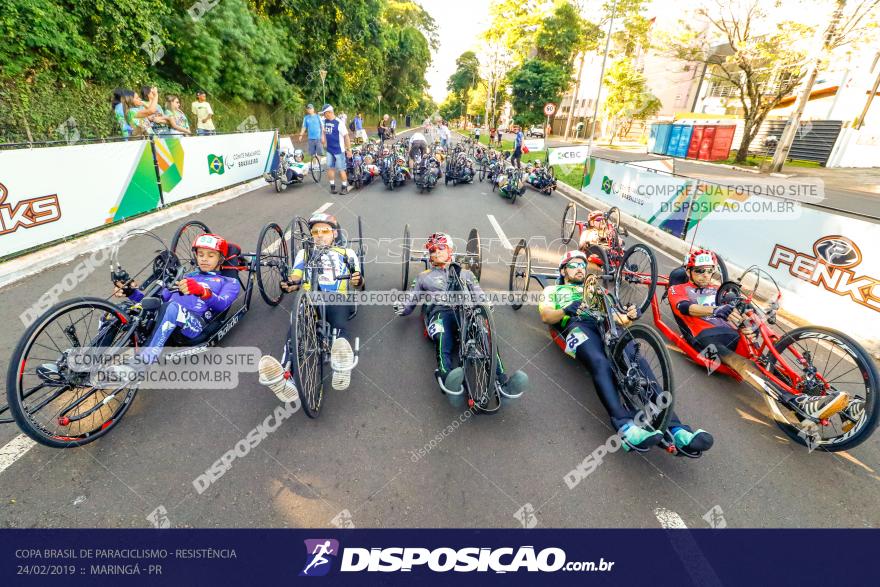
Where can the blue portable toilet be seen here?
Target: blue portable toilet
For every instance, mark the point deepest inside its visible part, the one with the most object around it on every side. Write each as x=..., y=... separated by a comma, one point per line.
x=683, y=141
x=672, y=145
x=659, y=138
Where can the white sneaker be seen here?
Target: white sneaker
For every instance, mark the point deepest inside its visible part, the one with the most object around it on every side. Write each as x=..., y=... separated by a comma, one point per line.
x=342, y=362
x=272, y=376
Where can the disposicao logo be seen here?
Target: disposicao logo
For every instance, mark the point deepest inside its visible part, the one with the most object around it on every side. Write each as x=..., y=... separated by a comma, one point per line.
x=320, y=553
x=215, y=165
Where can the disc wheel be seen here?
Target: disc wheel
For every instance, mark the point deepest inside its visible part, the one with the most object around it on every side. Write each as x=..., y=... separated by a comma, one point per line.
x=306, y=357
x=569, y=222
x=826, y=360
x=271, y=263
x=181, y=243
x=315, y=168
x=54, y=402
x=643, y=371
x=479, y=360
x=520, y=274
x=636, y=278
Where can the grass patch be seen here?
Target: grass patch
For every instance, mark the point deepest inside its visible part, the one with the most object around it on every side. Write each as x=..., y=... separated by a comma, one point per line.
x=757, y=160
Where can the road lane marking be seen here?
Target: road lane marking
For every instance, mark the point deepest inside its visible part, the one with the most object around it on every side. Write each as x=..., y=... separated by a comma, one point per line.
x=500, y=232
x=14, y=450
x=322, y=208
x=669, y=519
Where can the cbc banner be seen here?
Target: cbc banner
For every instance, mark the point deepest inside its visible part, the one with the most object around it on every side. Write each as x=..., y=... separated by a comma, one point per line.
x=55, y=192
x=191, y=166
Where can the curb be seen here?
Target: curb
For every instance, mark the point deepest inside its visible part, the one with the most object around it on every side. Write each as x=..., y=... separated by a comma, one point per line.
x=31, y=263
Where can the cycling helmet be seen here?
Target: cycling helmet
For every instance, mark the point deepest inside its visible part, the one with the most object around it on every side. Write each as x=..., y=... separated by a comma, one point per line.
x=594, y=215
x=572, y=255
x=701, y=258
x=324, y=218
x=298, y=155
x=212, y=242
x=439, y=238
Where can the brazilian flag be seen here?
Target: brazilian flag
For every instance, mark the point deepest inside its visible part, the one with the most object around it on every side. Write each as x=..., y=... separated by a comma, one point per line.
x=215, y=165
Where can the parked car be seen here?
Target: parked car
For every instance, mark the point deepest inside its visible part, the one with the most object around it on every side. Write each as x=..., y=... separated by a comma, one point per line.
x=535, y=131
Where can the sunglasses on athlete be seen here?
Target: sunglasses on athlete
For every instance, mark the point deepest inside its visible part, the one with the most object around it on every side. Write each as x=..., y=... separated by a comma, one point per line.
x=576, y=265
x=321, y=231
x=705, y=271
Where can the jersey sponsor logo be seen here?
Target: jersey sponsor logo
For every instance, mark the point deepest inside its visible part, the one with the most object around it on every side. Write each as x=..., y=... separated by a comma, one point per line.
x=27, y=213
x=831, y=267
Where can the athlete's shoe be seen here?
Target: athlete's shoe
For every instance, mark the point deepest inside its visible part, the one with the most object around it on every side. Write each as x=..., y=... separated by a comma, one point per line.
x=639, y=439
x=272, y=375
x=514, y=385
x=821, y=407
x=454, y=379
x=332, y=188
x=342, y=362
x=692, y=443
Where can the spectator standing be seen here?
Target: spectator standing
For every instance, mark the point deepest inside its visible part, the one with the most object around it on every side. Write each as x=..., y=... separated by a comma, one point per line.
x=384, y=128
x=313, y=124
x=204, y=114
x=359, y=132
x=338, y=144
x=517, y=145
x=138, y=112
x=119, y=110
x=499, y=137
x=445, y=134
x=175, y=117
x=393, y=126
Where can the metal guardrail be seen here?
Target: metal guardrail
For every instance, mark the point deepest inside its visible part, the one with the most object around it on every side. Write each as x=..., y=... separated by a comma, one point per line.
x=117, y=139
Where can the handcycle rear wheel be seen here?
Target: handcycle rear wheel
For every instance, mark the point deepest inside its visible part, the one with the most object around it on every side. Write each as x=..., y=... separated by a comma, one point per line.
x=569, y=222
x=645, y=381
x=845, y=366
x=637, y=266
x=614, y=217
x=271, y=263
x=479, y=360
x=181, y=243
x=53, y=404
x=315, y=168
x=405, y=253
x=520, y=273
x=475, y=253
x=306, y=354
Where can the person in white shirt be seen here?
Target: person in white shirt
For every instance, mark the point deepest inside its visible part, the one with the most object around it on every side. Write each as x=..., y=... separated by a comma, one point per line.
x=417, y=144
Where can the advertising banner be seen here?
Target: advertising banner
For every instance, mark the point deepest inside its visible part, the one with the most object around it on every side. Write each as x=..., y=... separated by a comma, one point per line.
x=52, y=193
x=535, y=145
x=191, y=166
x=568, y=155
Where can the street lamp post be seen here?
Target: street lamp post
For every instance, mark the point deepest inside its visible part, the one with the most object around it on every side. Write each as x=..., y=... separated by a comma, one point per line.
x=323, y=74
x=599, y=91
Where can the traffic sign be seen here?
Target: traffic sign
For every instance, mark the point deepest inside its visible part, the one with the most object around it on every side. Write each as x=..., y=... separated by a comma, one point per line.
x=549, y=108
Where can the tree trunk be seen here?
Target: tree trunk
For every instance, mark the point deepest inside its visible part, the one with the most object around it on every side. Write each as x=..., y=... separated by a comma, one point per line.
x=743, y=150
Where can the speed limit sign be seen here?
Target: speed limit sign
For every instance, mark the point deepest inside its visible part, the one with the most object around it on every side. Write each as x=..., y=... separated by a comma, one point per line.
x=549, y=108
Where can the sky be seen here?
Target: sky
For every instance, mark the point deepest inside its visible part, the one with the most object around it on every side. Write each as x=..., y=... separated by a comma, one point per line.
x=459, y=24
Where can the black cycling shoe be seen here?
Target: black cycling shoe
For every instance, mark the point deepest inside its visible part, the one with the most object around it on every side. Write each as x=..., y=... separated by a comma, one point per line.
x=332, y=188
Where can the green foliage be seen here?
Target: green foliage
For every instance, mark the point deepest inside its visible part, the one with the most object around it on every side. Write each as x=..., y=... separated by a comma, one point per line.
x=465, y=78
x=261, y=58
x=535, y=83
x=563, y=34
x=628, y=96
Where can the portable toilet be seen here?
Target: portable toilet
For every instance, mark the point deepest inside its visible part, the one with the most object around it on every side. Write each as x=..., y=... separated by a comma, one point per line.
x=719, y=149
x=659, y=138
x=680, y=147
x=674, y=135
x=696, y=140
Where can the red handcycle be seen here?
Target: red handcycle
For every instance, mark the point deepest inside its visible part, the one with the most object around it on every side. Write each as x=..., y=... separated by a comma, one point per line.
x=810, y=359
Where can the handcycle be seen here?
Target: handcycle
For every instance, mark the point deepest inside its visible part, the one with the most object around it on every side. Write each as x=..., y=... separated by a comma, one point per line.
x=426, y=172
x=307, y=349
x=541, y=178
x=793, y=362
x=510, y=183
x=477, y=349
x=57, y=403
x=633, y=270
x=291, y=169
x=639, y=360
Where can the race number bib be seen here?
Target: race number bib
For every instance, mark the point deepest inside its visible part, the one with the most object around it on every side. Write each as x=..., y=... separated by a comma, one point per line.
x=575, y=338
x=435, y=327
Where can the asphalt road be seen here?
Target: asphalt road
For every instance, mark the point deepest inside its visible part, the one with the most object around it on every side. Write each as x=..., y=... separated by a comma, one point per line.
x=359, y=461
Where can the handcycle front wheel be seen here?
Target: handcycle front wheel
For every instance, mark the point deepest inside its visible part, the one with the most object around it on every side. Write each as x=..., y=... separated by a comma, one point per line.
x=569, y=222
x=818, y=357
x=271, y=263
x=475, y=253
x=184, y=236
x=636, y=278
x=520, y=273
x=53, y=403
x=644, y=372
x=306, y=354
x=315, y=168
x=479, y=360
x=614, y=217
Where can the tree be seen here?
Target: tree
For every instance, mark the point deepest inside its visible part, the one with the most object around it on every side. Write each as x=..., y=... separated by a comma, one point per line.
x=628, y=97
x=513, y=23
x=562, y=34
x=533, y=84
x=465, y=77
x=762, y=68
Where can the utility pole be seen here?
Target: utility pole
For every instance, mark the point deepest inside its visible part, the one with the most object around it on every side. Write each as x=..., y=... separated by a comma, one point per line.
x=323, y=74
x=599, y=91
x=577, y=87
x=794, y=121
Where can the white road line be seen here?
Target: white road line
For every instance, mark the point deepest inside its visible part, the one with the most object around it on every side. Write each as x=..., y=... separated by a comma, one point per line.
x=322, y=208
x=669, y=519
x=500, y=232
x=14, y=450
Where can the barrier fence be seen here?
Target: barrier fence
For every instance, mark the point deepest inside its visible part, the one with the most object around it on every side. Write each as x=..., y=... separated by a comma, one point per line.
x=54, y=193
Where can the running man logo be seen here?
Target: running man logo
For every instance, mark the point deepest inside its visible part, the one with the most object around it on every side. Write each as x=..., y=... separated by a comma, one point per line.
x=830, y=267
x=27, y=213
x=215, y=165
x=320, y=553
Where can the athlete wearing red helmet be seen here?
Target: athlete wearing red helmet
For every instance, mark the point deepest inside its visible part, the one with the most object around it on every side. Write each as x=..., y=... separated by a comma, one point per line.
x=579, y=324
x=441, y=322
x=713, y=328
x=594, y=232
